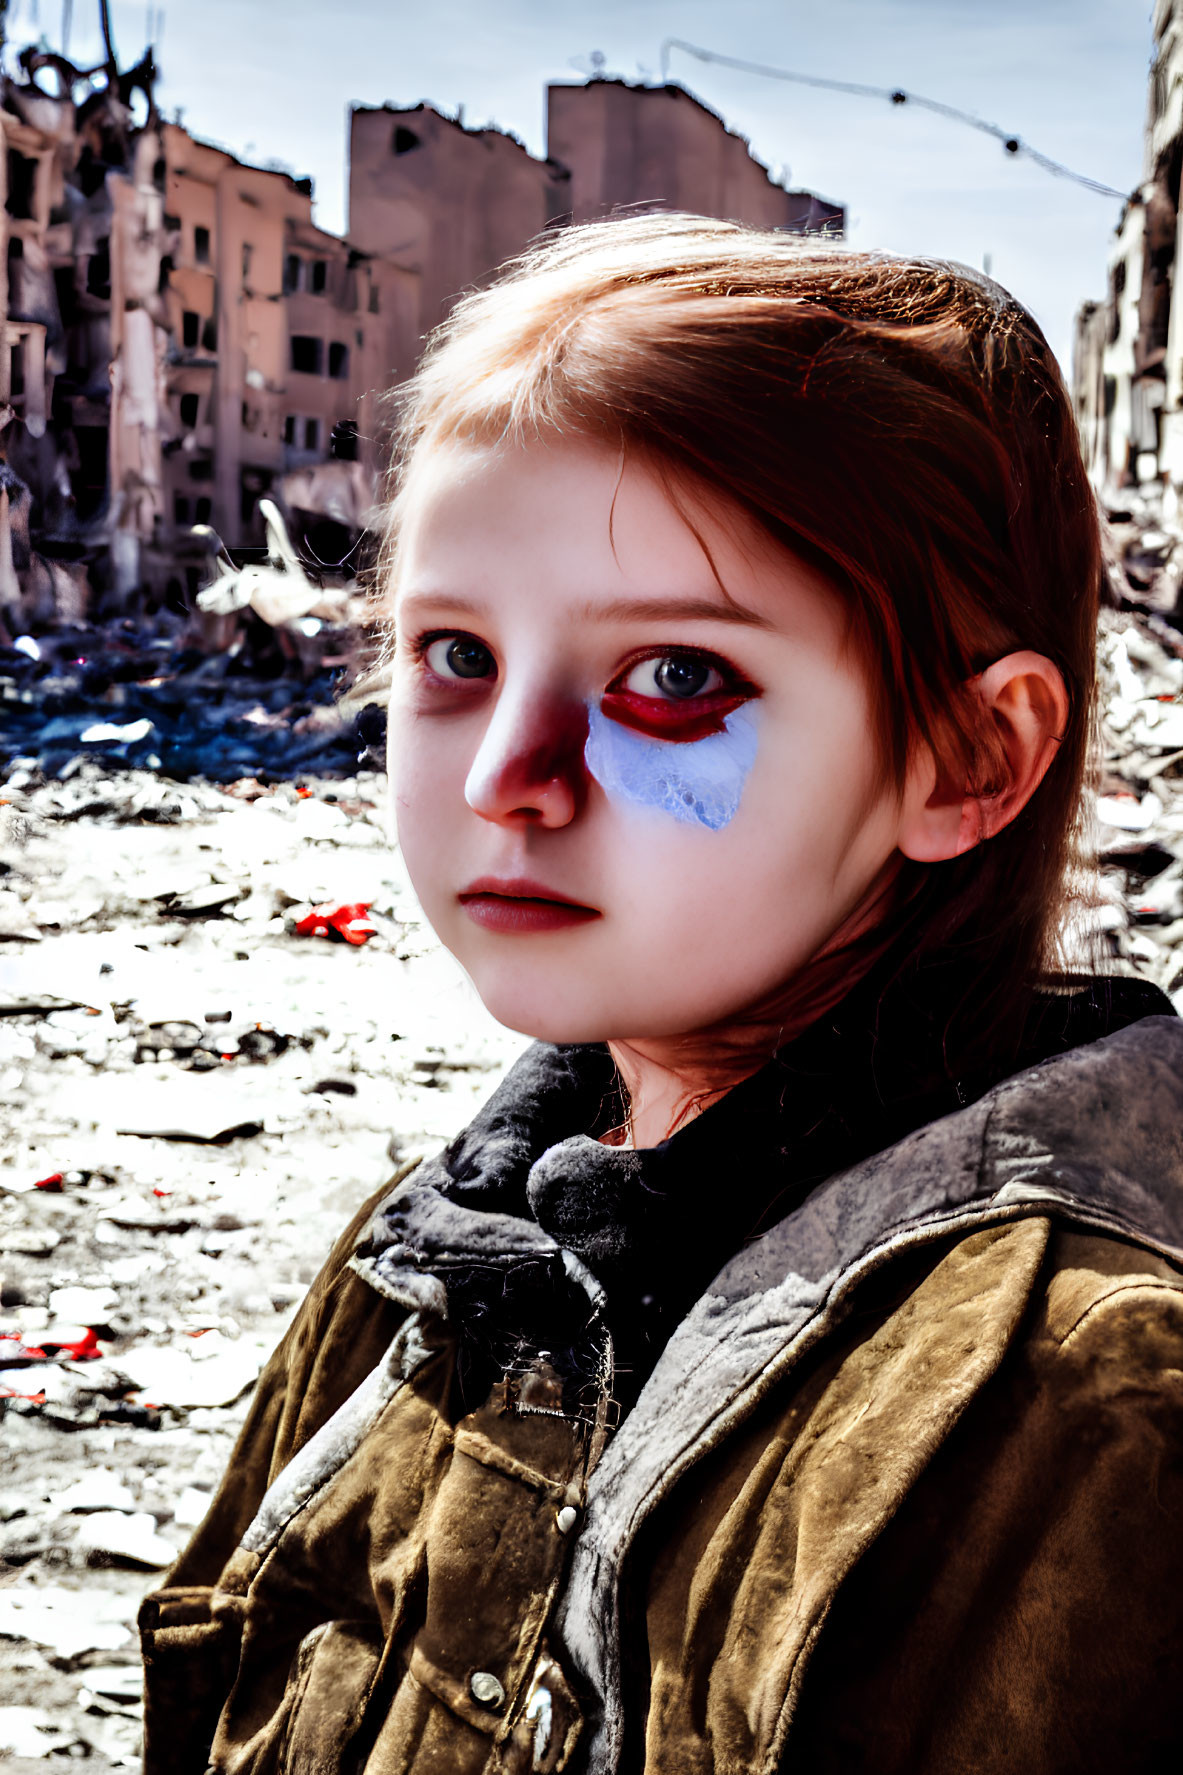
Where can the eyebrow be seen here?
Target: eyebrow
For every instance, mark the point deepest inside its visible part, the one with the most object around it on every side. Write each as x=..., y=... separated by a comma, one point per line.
x=620, y=609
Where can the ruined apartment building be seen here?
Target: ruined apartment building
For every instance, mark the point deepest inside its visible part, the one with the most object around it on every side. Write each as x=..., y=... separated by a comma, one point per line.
x=283, y=341
x=1128, y=349
x=79, y=380
x=454, y=202
x=182, y=339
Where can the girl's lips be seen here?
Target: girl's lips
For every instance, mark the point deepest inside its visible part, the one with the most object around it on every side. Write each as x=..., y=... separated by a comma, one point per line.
x=513, y=913
x=517, y=903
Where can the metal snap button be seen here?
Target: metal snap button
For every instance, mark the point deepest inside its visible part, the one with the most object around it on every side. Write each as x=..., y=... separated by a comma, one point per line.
x=566, y=1519
x=485, y=1688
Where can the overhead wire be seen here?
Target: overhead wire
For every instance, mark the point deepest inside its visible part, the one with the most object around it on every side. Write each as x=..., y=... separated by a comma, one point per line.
x=1013, y=144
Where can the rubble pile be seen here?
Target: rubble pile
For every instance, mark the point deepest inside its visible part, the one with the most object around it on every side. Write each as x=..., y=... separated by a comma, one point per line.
x=224, y=1023
x=126, y=694
x=1139, y=825
x=206, y=1096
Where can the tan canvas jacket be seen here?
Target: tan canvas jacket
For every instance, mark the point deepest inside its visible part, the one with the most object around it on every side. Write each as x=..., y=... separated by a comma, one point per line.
x=904, y=1491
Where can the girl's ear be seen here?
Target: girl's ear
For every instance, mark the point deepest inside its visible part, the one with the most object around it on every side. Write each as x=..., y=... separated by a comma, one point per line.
x=1024, y=696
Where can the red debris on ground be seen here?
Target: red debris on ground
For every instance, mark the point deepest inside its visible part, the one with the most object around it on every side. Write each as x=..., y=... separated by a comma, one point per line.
x=342, y=923
x=53, y=1182
x=14, y=1352
x=82, y=1349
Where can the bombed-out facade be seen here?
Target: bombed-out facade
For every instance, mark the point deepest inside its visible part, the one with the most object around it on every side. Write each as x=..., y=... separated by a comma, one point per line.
x=184, y=342
x=282, y=339
x=82, y=377
x=181, y=341
x=1128, y=357
x=454, y=203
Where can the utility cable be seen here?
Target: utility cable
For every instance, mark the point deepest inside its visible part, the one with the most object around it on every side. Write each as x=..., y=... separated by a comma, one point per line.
x=1013, y=144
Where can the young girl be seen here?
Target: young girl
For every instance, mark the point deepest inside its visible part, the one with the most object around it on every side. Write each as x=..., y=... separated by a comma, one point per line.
x=783, y=1370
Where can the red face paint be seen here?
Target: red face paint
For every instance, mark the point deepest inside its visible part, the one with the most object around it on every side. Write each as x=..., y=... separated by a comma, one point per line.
x=691, y=720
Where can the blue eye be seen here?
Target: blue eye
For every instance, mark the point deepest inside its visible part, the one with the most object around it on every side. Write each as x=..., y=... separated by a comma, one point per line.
x=677, y=676
x=458, y=656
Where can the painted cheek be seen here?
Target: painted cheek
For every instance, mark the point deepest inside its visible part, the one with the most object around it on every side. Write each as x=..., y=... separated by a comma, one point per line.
x=699, y=783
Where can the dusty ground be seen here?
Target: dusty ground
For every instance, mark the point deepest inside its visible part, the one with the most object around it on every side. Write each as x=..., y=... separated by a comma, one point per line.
x=331, y=1061
x=215, y=1094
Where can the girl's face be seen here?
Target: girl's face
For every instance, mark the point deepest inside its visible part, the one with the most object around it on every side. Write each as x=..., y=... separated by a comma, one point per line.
x=580, y=710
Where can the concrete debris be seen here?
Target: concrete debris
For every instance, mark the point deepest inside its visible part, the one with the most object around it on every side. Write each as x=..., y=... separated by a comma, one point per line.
x=263, y=707
x=67, y=1621
x=279, y=589
x=115, y=1682
x=98, y=1490
x=213, y=1370
x=1126, y=812
x=30, y=1732
x=1139, y=808
x=90, y=1306
x=176, y=1109
x=147, y=1275
x=191, y=1506
x=33, y=1243
x=16, y=922
x=110, y=1534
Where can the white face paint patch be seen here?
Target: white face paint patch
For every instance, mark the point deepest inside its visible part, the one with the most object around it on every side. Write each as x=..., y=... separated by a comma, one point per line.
x=697, y=781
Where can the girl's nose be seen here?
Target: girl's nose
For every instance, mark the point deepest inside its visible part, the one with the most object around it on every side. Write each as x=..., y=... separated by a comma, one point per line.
x=529, y=767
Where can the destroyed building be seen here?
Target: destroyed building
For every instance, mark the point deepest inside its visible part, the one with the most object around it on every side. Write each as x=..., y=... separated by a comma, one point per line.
x=455, y=202
x=1128, y=349
x=184, y=342
x=80, y=382
x=282, y=339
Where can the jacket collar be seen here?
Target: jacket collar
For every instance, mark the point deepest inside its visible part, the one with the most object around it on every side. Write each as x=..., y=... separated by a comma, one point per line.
x=1076, y=1120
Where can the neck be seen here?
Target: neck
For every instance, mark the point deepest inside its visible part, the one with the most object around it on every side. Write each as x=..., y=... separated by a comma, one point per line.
x=666, y=1085
x=668, y=1080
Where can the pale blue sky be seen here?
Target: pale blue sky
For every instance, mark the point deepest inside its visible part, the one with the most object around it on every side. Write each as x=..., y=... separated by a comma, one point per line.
x=273, y=79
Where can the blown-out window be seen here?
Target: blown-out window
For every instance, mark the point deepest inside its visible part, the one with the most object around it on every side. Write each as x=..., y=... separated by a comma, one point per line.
x=307, y=354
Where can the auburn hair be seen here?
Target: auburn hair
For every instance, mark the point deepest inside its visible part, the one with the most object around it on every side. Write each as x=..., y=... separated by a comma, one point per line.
x=902, y=425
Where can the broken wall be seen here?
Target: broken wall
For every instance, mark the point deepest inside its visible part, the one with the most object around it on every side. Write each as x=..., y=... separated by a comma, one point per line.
x=659, y=147
x=1133, y=433
x=81, y=379
x=447, y=202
